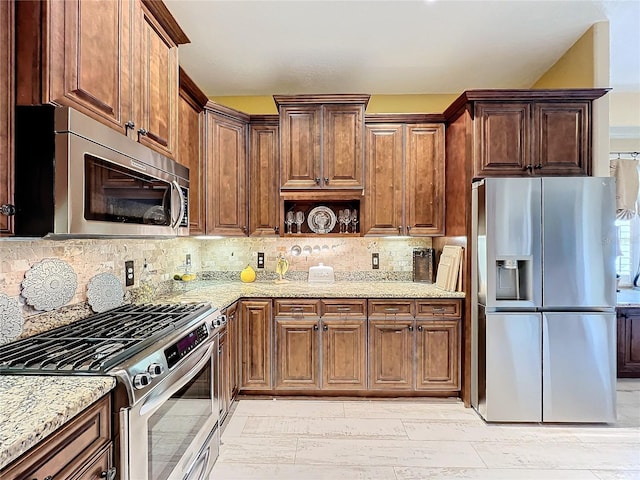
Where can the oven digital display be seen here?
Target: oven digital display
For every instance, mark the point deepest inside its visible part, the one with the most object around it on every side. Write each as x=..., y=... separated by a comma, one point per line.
x=186, y=344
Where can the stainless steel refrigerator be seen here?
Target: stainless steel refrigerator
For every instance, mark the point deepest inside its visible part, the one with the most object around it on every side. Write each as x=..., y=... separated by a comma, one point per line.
x=544, y=327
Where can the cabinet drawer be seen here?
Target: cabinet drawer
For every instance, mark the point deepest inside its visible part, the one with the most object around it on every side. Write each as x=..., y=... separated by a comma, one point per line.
x=395, y=308
x=99, y=467
x=438, y=308
x=340, y=308
x=68, y=450
x=297, y=308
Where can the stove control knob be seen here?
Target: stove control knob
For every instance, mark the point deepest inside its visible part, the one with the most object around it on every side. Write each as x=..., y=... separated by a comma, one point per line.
x=155, y=369
x=141, y=380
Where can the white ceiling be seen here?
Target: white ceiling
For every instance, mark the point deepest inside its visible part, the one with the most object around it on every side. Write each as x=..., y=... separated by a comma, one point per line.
x=393, y=47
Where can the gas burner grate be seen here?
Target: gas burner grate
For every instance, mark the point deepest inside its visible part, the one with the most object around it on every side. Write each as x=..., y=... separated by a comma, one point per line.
x=97, y=343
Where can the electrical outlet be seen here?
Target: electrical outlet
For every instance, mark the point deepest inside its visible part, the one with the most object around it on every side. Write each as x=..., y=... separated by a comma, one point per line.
x=188, y=260
x=375, y=261
x=128, y=273
x=260, y=259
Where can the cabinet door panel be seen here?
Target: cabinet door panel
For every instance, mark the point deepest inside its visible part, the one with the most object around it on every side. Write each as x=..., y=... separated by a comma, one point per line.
x=383, y=192
x=424, y=186
x=390, y=355
x=300, y=147
x=189, y=155
x=158, y=86
x=226, y=177
x=344, y=358
x=628, y=348
x=297, y=354
x=502, y=138
x=437, y=355
x=6, y=112
x=264, y=167
x=342, y=142
x=256, y=345
x=562, y=138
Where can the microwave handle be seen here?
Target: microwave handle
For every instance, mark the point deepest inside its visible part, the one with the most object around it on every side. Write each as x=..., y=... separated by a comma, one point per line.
x=177, y=221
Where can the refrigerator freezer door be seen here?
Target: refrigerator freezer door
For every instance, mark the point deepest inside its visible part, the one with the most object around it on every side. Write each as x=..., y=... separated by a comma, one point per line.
x=512, y=374
x=579, y=367
x=578, y=242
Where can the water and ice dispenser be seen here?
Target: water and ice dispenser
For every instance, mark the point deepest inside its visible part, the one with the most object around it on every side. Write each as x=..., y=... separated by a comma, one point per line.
x=513, y=279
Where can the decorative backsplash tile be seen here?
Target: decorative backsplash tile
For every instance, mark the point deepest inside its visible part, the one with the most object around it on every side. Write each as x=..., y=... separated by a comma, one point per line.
x=210, y=259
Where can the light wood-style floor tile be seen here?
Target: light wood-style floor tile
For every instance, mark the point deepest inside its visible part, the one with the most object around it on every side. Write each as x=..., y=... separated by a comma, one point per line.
x=257, y=450
x=415, y=473
x=262, y=471
x=290, y=408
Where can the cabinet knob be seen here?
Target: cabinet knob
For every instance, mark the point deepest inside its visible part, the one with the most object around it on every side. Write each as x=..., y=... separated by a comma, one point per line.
x=317, y=180
x=538, y=166
x=129, y=125
x=48, y=477
x=325, y=328
x=411, y=328
x=244, y=228
x=399, y=229
x=528, y=168
x=326, y=180
x=315, y=328
x=142, y=132
x=276, y=229
x=109, y=474
x=408, y=228
x=419, y=328
x=7, y=209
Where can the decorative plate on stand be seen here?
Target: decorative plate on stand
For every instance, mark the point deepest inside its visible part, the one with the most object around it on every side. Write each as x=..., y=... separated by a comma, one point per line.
x=104, y=292
x=321, y=219
x=11, y=320
x=49, y=284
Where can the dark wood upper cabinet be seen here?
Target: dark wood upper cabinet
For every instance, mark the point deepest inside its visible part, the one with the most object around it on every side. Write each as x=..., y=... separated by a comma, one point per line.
x=264, y=168
x=226, y=167
x=405, y=166
x=6, y=116
x=529, y=132
x=191, y=102
x=114, y=60
x=322, y=141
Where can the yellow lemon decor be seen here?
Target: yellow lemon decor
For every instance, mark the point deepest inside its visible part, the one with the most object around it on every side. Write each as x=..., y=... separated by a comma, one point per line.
x=248, y=275
x=282, y=265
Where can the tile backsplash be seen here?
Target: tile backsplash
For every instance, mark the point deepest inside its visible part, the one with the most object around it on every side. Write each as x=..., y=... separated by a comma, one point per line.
x=209, y=258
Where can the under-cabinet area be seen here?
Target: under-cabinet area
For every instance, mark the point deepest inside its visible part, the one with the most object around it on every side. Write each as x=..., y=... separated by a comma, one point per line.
x=363, y=347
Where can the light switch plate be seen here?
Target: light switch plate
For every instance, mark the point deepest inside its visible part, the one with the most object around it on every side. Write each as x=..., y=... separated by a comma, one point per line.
x=128, y=273
x=260, y=259
x=375, y=261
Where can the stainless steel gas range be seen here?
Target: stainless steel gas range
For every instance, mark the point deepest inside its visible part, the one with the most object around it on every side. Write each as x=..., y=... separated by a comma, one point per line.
x=166, y=402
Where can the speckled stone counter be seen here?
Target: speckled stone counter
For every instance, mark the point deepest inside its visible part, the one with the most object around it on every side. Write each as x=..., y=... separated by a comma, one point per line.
x=32, y=407
x=223, y=294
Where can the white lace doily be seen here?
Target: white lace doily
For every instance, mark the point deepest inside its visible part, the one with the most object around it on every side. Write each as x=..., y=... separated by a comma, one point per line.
x=104, y=292
x=49, y=284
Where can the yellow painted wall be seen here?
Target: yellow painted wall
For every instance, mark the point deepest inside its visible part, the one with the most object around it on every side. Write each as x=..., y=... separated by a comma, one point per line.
x=419, y=103
x=575, y=69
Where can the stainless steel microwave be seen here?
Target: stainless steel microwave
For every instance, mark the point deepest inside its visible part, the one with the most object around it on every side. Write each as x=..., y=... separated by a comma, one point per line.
x=76, y=177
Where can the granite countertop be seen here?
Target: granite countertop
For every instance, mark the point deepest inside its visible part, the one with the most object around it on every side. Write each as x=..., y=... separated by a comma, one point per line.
x=223, y=294
x=32, y=407
x=628, y=297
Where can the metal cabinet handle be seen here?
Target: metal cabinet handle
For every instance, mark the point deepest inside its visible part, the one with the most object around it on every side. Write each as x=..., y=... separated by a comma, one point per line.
x=325, y=328
x=344, y=309
x=419, y=328
x=315, y=328
x=391, y=309
x=538, y=166
x=438, y=310
x=109, y=474
x=48, y=477
x=408, y=228
x=528, y=168
x=7, y=209
x=129, y=125
x=399, y=229
x=317, y=180
x=276, y=229
x=244, y=228
x=143, y=132
x=326, y=180
x=411, y=328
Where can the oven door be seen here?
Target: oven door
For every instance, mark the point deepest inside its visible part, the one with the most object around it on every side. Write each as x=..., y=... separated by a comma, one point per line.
x=172, y=433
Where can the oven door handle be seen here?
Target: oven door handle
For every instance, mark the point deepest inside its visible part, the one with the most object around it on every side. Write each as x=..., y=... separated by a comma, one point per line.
x=175, y=185
x=153, y=401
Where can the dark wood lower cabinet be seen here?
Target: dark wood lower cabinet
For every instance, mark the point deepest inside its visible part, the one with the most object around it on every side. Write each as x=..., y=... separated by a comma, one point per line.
x=81, y=449
x=628, y=342
x=256, y=332
x=297, y=362
x=344, y=354
x=437, y=355
x=390, y=354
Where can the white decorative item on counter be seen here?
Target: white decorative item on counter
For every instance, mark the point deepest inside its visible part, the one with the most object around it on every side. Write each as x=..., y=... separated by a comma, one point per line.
x=321, y=274
x=11, y=320
x=104, y=292
x=49, y=284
